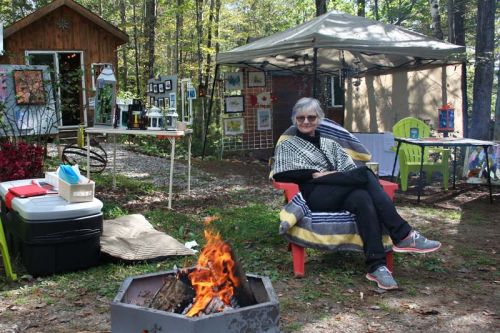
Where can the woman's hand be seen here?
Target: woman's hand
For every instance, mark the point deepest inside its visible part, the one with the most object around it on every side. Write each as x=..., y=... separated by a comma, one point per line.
x=322, y=173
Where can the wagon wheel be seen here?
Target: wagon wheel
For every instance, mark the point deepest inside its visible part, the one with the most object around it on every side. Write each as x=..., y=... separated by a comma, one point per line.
x=73, y=154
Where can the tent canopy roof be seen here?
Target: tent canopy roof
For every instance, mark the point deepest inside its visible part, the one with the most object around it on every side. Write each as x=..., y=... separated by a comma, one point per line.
x=343, y=42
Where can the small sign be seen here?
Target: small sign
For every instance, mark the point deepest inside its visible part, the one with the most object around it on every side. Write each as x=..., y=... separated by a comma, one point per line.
x=414, y=133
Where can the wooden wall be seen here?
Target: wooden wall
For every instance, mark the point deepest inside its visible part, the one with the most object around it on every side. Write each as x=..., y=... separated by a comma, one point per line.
x=97, y=44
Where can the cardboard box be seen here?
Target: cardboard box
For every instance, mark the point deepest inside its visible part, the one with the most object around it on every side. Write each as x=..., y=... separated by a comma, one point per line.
x=77, y=192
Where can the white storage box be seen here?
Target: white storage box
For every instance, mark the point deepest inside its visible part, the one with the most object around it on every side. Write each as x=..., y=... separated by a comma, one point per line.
x=52, y=179
x=77, y=192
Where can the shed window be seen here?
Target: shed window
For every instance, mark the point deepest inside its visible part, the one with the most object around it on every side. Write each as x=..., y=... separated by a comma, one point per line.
x=335, y=91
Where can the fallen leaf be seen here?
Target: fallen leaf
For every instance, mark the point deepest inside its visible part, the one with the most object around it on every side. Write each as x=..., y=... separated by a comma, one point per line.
x=350, y=291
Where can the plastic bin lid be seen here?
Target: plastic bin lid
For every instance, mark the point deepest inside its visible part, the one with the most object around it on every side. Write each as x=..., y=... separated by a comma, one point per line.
x=50, y=206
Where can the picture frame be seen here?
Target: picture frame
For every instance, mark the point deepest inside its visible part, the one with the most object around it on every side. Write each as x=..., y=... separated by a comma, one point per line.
x=152, y=100
x=166, y=102
x=264, y=120
x=155, y=88
x=150, y=87
x=233, y=81
x=234, y=104
x=161, y=88
x=234, y=126
x=168, y=84
x=172, y=98
x=256, y=79
x=160, y=102
x=29, y=88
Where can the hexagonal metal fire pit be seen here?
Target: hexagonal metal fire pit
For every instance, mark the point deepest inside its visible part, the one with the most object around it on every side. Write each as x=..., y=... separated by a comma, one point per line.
x=129, y=313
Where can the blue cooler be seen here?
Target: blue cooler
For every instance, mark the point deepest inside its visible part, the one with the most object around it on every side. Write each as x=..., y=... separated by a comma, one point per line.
x=50, y=234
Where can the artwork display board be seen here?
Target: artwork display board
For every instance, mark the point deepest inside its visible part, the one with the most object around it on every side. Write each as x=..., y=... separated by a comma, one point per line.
x=162, y=91
x=27, y=98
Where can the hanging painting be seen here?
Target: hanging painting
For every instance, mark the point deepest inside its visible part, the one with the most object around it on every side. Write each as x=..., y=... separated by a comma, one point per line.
x=263, y=119
x=233, y=81
x=233, y=126
x=256, y=79
x=234, y=104
x=28, y=85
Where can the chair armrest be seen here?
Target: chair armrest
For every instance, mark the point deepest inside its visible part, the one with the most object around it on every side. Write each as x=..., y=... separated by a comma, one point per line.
x=290, y=189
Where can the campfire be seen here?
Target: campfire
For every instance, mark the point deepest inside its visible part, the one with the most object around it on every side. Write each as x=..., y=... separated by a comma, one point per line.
x=217, y=282
x=213, y=296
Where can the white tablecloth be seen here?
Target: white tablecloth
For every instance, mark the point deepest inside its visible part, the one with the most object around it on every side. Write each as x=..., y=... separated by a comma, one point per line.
x=379, y=145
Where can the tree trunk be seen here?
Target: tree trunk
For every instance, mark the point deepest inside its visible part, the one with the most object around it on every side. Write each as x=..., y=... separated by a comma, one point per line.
x=136, y=52
x=178, y=36
x=320, y=7
x=123, y=20
x=436, y=19
x=496, y=132
x=375, y=9
x=149, y=34
x=483, y=75
x=361, y=8
x=199, y=30
x=456, y=35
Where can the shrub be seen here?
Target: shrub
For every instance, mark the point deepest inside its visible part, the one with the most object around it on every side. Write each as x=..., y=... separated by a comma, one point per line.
x=20, y=160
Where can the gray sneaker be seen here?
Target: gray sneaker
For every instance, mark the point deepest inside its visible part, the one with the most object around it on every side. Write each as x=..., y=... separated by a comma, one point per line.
x=383, y=277
x=416, y=243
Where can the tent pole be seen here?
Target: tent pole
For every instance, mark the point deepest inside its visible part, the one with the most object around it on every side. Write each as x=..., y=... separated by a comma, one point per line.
x=315, y=72
x=209, y=111
x=465, y=102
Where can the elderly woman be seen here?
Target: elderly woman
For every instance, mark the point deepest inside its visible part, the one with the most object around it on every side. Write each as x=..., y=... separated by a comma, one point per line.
x=330, y=182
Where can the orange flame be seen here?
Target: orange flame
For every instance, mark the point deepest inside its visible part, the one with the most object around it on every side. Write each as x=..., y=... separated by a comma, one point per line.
x=214, y=274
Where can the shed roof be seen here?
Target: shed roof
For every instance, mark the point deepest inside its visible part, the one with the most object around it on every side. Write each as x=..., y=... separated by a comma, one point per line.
x=36, y=15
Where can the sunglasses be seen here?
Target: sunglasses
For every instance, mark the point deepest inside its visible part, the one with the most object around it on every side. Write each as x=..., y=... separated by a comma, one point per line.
x=310, y=119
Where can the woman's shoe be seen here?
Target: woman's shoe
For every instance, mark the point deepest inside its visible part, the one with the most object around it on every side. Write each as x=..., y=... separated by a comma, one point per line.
x=383, y=277
x=416, y=243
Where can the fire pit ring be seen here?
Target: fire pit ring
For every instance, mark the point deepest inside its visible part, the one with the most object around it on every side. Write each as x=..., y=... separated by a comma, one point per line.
x=130, y=314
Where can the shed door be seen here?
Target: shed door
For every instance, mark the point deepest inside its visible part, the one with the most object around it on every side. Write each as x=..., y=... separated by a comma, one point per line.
x=67, y=77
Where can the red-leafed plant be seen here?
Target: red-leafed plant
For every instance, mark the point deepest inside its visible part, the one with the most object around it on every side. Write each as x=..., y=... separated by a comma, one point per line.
x=21, y=160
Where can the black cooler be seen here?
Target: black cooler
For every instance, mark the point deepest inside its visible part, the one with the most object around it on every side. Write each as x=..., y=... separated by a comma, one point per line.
x=50, y=234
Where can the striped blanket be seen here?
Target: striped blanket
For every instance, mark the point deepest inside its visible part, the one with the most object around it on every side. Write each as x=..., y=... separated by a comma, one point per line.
x=332, y=130
x=326, y=231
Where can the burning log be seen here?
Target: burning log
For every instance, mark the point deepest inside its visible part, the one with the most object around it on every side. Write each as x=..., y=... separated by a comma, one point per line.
x=174, y=295
x=217, y=283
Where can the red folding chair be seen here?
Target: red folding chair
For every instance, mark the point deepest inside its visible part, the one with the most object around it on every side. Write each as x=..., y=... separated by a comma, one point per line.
x=298, y=252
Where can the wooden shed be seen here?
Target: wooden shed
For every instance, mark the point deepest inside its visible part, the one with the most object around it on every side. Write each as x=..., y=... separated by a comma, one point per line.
x=71, y=40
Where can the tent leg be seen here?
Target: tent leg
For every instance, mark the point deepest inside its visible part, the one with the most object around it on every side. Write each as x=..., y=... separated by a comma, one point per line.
x=315, y=73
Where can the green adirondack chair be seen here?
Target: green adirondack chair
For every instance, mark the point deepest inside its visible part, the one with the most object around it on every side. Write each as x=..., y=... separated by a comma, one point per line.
x=409, y=155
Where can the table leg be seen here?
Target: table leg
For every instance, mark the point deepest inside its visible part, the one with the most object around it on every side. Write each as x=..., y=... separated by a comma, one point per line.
x=171, y=178
x=88, y=155
x=189, y=162
x=395, y=160
x=114, y=161
x=454, y=164
x=485, y=148
x=420, y=182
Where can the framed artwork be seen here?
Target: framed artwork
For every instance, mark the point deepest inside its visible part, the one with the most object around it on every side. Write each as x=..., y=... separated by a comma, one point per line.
x=233, y=81
x=234, y=104
x=166, y=102
x=256, y=79
x=161, y=88
x=151, y=100
x=168, y=85
x=191, y=93
x=264, y=119
x=28, y=86
x=150, y=88
x=160, y=102
x=155, y=88
x=233, y=126
x=172, y=96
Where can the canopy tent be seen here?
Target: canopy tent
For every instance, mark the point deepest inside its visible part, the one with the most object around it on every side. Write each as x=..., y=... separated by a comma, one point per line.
x=341, y=41
x=342, y=44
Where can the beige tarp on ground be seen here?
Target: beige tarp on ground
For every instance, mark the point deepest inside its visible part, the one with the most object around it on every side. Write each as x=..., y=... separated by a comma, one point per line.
x=376, y=45
x=132, y=237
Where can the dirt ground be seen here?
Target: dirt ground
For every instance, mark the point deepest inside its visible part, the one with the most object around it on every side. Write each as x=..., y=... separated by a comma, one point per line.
x=456, y=289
